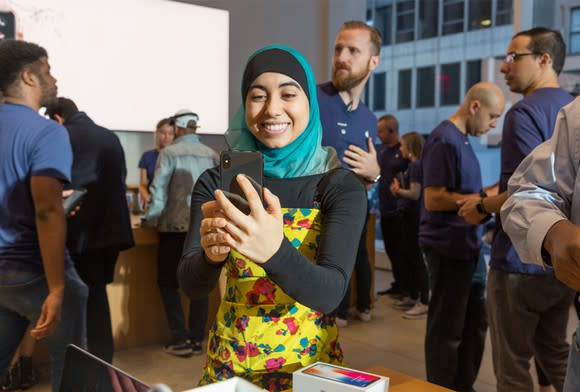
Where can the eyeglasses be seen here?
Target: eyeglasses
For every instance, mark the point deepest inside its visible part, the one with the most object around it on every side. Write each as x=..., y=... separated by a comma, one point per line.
x=511, y=57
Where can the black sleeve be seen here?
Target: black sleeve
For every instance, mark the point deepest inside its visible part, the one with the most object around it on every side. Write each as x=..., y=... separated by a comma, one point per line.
x=322, y=285
x=197, y=275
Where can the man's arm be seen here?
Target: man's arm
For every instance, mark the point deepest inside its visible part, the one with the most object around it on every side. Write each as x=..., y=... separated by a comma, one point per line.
x=51, y=231
x=160, y=185
x=474, y=214
x=440, y=199
x=364, y=164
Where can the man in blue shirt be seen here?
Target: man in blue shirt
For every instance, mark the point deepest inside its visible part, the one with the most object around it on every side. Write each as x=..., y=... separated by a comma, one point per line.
x=38, y=284
x=350, y=127
x=521, y=295
x=454, y=342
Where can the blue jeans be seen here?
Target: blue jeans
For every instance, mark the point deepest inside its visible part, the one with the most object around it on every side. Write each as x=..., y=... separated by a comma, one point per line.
x=22, y=294
x=572, y=383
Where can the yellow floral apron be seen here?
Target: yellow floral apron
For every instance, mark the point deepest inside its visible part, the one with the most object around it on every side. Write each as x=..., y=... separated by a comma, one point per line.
x=260, y=332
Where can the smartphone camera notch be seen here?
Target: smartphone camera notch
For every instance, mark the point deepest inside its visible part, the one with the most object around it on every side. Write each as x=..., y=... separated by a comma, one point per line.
x=227, y=162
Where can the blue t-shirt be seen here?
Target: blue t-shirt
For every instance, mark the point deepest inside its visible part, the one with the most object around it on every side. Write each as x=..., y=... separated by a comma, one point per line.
x=30, y=145
x=148, y=161
x=392, y=163
x=527, y=124
x=412, y=174
x=341, y=128
x=449, y=161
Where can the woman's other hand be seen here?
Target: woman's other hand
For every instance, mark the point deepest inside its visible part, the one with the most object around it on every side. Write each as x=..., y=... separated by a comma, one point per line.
x=395, y=187
x=258, y=235
x=212, y=232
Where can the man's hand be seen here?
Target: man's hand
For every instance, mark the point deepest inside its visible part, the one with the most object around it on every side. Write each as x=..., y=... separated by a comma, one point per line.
x=49, y=315
x=364, y=164
x=468, y=211
x=563, y=244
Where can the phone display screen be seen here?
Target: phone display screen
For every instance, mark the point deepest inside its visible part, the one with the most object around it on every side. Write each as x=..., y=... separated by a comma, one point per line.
x=7, y=25
x=346, y=376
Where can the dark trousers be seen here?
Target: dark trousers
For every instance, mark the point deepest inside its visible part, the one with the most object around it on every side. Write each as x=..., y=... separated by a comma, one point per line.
x=456, y=323
x=363, y=279
x=96, y=268
x=414, y=272
x=390, y=227
x=170, y=249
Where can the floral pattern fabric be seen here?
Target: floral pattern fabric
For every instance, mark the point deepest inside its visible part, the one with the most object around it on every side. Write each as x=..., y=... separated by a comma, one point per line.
x=261, y=333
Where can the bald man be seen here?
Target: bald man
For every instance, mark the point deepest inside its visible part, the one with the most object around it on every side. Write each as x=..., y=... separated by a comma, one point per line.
x=456, y=322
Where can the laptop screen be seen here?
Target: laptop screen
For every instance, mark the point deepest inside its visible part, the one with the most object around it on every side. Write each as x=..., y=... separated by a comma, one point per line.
x=83, y=372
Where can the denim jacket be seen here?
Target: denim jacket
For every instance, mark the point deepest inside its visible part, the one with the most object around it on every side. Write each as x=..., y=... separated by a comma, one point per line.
x=178, y=167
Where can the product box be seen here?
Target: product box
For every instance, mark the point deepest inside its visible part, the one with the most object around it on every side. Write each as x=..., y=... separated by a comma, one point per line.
x=323, y=377
x=235, y=384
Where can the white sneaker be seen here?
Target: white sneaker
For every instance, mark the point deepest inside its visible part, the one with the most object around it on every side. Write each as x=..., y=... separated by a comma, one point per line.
x=341, y=323
x=405, y=303
x=364, y=316
x=419, y=311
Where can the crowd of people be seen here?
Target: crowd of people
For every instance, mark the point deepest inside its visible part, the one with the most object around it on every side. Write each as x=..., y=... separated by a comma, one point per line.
x=289, y=261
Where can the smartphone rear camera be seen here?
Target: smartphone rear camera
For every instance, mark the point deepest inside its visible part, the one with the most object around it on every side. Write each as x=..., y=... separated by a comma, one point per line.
x=226, y=162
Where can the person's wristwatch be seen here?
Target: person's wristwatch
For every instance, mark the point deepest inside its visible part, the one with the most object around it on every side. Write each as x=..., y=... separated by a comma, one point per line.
x=375, y=180
x=481, y=208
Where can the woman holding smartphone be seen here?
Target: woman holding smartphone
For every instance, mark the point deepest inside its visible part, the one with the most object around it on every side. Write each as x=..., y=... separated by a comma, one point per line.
x=289, y=261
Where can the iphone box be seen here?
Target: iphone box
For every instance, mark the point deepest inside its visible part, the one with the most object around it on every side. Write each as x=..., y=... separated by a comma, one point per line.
x=324, y=377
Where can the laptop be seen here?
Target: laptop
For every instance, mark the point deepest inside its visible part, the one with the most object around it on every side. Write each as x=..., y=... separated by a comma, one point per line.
x=84, y=372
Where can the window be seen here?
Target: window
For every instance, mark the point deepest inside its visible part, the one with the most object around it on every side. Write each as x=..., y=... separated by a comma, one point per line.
x=426, y=87
x=379, y=96
x=449, y=82
x=503, y=12
x=405, y=21
x=575, y=30
x=479, y=14
x=383, y=22
x=404, y=92
x=428, y=18
x=472, y=73
x=453, y=12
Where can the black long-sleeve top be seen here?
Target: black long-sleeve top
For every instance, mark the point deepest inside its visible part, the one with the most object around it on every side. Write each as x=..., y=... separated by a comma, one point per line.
x=341, y=198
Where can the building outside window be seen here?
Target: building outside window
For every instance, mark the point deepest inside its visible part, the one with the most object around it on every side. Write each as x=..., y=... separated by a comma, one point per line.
x=405, y=21
x=425, y=87
x=575, y=30
x=472, y=73
x=503, y=12
x=404, y=93
x=428, y=18
x=379, y=96
x=383, y=22
x=479, y=14
x=453, y=13
x=449, y=82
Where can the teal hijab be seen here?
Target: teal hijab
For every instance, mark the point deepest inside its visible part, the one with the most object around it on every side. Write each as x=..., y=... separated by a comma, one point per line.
x=305, y=155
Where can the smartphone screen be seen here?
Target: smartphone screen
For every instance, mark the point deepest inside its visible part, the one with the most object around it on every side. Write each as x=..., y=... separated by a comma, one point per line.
x=345, y=376
x=249, y=163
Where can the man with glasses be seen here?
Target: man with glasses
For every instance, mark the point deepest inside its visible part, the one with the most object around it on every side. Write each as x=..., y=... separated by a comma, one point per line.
x=527, y=306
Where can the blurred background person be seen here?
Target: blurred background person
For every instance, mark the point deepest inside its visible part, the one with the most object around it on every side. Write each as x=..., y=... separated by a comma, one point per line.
x=164, y=135
x=179, y=166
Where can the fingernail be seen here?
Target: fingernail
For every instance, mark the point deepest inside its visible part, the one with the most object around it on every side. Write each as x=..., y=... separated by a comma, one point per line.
x=241, y=175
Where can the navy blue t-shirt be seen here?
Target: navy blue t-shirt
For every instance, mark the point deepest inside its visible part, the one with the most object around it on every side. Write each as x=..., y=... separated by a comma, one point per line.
x=30, y=145
x=412, y=174
x=449, y=161
x=527, y=124
x=391, y=162
x=148, y=161
x=341, y=128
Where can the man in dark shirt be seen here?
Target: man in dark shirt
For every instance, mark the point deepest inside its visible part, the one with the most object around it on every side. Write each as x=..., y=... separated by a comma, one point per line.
x=451, y=172
x=524, y=295
x=391, y=162
x=350, y=127
x=102, y=227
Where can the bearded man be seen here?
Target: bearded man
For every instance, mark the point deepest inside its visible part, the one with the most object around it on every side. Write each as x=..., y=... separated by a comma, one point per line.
x=350, y=127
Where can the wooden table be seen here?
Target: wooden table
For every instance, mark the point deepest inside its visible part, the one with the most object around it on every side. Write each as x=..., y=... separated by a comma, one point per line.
x=401, y=382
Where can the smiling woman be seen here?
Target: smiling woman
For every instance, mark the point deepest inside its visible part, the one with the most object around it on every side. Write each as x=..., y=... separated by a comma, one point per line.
x=289, y=263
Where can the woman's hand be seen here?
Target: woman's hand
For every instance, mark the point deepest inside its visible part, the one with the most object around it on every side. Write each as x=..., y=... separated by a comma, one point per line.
x=395, y=187
x=257, y=236
x=212, y=234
